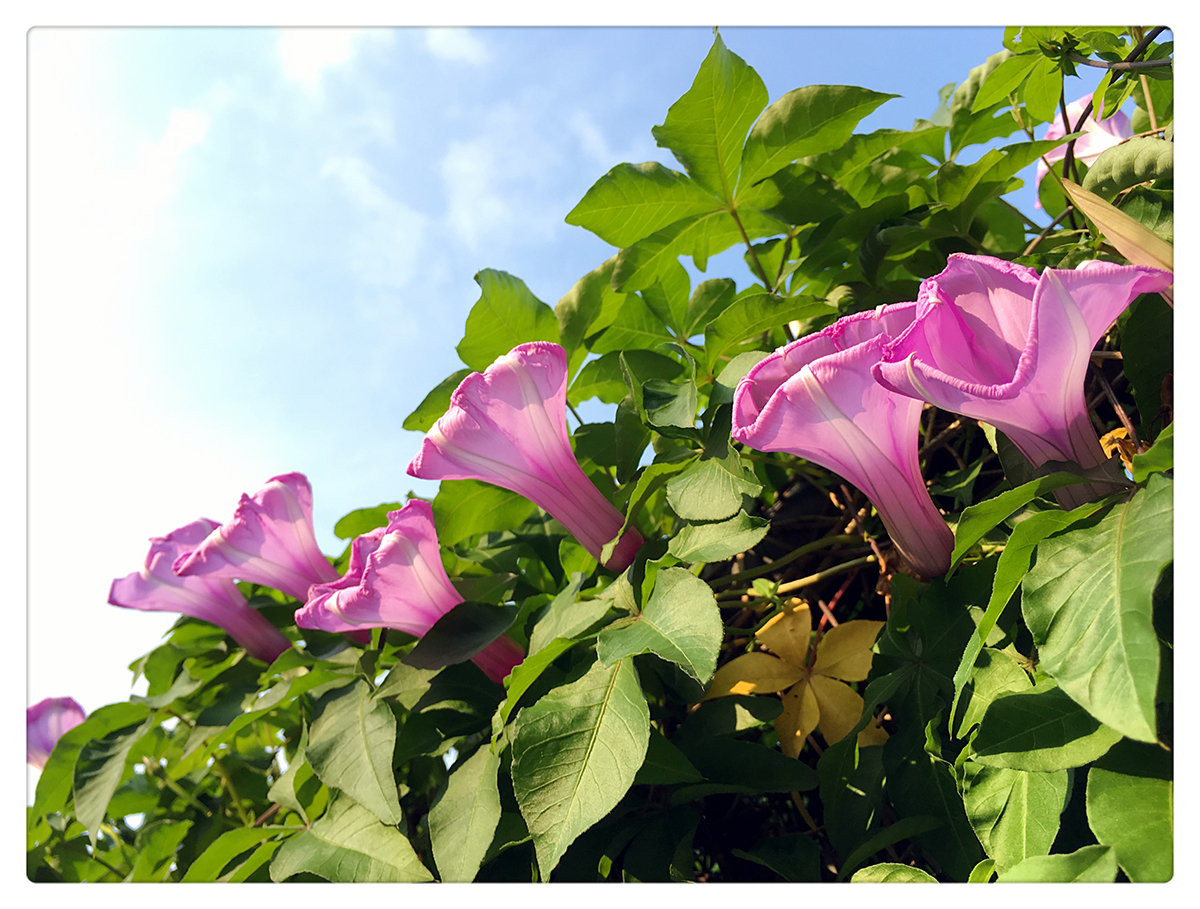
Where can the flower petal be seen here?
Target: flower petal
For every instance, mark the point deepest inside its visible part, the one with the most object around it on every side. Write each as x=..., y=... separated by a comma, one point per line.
x=798, y=719
x=845, y=650
x=788, y=634
x=753, y=673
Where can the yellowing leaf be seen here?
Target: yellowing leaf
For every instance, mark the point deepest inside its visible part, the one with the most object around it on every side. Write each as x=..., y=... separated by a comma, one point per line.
x=753, y=673
x=788, y=633
x=840, y=706
x=1137, y=243
x=845, y=650
x=872, y=735
x=798, y=719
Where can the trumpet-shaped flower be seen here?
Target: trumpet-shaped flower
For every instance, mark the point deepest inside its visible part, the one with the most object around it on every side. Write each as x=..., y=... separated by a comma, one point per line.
x=396, y=580
x=156, y=588
x=508, y=426
x=815, y=398
x=997, y=342
x=1098, y=136
x=270, y=541
x=816, y=696
x=45, y=723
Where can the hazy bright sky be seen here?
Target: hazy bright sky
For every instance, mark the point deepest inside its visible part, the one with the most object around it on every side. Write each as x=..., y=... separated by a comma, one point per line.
x=251, y=251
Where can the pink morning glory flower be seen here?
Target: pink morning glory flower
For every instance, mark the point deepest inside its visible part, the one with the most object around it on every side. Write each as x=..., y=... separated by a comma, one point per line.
x=508, y=426
x=816, y=399
x=270, y=541
x=156, y=588
x=45, y=723
x=396, y=580
x=1098, y=137
x=998, y=342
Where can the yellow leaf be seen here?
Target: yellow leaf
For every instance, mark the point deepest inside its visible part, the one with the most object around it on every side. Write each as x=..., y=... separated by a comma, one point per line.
x=1137, y=243
x=753, y=673
x=840, y=707
x=845, y=650
x=788, y=633
x=872, y=735
x=799, y=717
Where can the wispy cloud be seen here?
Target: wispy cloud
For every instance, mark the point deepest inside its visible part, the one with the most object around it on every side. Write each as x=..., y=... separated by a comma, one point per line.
x=388, y=241
x=306, y=54
x=456, y=44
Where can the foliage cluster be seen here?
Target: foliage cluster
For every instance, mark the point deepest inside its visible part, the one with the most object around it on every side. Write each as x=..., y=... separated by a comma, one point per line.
x=1012, y=720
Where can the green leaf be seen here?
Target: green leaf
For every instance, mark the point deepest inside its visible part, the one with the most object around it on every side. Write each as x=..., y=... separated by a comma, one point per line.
x=460, y=634
x=751, y=316
x=795, y=857
x=283, y=790
x=717, y=541
x=228, y=846
x=630, y=438
x=680, y=623
x=350, y=748
x=1004, y=80
x=632, y=201
x=995, y=673
x=727, y=716
x=1091, y=864
x=564, y=617
x=603, y=379
x=364, y=520
x=636, y=327
x=432, y=406
x=406, y=684
x=506, y=315
x=1130, y=804
x=892, y=873
x=1011, y=568
x=851, y=789
x=750, y=766
x=463, y=819
x=349, y=845
x=1043, y=88
x=665, y=764
x=1147, y=346
x=982, y=873
x=705, y=129
x=155, y=847
x=55, y=784
x=865, y=165
x=575, y=754
x=709, y=300
x=977, y=520
x=1137, y=160
x=98, y=773
x=528, y=671
x=903, y=829
x=1014, y=813
x=699, y=236
x=650, y=481
x=711, y=489
x=805, y=121
x=1087, y=603
x=1160, y=457
x=465, y=508
x=1042, y=730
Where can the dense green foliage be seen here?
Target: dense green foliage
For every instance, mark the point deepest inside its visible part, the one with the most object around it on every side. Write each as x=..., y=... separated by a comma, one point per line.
x=1017, y=714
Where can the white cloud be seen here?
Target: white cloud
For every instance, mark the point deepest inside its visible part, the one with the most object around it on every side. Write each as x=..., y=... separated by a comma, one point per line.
x=456, y=44
x=305, y=54
x=475, y=207
x=388, y=241
x=592, y=140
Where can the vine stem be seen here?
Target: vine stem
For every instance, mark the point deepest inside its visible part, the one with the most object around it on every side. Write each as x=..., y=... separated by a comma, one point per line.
x=783, y=560
x=806, y=581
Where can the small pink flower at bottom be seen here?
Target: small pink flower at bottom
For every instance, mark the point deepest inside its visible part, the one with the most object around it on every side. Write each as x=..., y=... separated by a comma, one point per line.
x=156, y=588
x=270, y=541
x=508, y=426
x=396, y=580
x=45, y=723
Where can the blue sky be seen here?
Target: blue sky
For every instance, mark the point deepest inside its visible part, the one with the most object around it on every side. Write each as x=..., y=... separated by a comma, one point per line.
x=251, y=252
